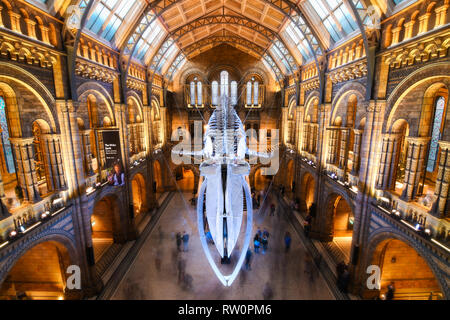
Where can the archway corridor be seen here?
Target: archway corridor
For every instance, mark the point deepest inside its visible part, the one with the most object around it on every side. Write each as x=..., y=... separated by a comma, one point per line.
x=40, y=274
x=185, y=179
x=406, y=270
x=104, y=226
x=340, y=221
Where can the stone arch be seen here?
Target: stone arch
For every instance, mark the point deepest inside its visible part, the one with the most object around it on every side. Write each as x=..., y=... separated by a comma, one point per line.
x=341, y=101
x=307, y=191
x=23, y=80
x=428, y=106
x=12, y=110
x=233, y=73
x=312, y=98
x=256, y=71
x=191, y=176
x=290, y=174
x=157, y=177
x=137, y=105
x=432, y=73
x=139, y=194
x=155, y=111
x=34, y=278
x=338, y=214
x=382, y=235
x=257, y=180
x=60, y=238
x=101, y=94
x=108, y=221
x=291, y=108
x=190, y=72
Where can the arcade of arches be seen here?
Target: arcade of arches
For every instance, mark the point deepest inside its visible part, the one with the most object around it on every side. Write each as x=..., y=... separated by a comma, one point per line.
x=352, y=116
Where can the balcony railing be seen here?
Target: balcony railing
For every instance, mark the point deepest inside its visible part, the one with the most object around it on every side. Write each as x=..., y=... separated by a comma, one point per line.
x=384, y=210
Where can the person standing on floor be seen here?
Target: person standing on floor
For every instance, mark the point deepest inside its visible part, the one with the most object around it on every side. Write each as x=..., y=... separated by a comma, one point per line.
x=265, y=244
x=248, y=259
x=257, y=243
x=185, y=241
x=287, y=241
x=272, y=210
x=266, y=233
x=179, y=241
x=390, y=292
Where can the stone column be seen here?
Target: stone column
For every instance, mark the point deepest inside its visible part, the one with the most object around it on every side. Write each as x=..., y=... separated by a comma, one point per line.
x=311, y=138
x=305, y=137
x=86, y=141
x=332, y=145
x=284, y=125
x=343, y=154
x=26, y=170
x=298, y=129
x=388, y=154
x=314, y=133
x=54, y=161
x=120, y=114
x=441, y=190
x=417, y=148
x=356, y=150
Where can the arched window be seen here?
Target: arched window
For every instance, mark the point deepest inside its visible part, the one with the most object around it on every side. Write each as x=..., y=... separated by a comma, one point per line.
x=234, y=93
x=256, y=93
x=215, y=93
x=199, y=94
x=436, y=133
x=249, y=93
x=224, y=83
x=7, y=150
x=192, y=102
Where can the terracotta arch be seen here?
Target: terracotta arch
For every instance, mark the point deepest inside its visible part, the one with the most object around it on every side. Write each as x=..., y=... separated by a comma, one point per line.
x=139, y=194
x=136, y=107
x=439, y=71
x=19, y=271
x=374, y=254
x=99, y=92
x=312, y=106
x=347, y=92
x=107, y=223
x=307, y=191
x=28, y=86
x=157, y=177
x=339, y=219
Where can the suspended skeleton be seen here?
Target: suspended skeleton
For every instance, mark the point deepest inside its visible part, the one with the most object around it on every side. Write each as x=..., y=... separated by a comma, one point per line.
x=225, y=181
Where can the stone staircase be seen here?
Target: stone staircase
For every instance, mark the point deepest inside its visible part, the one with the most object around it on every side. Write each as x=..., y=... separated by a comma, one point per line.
x=335, y=252
x=107, y=258
x=416, y=295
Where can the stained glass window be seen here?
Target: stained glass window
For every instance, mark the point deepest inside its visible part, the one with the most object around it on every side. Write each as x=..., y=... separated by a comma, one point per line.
x=7, y=150
x=436, y=134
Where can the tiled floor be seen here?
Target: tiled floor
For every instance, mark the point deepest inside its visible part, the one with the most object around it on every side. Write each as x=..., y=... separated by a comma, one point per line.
x=153, y=274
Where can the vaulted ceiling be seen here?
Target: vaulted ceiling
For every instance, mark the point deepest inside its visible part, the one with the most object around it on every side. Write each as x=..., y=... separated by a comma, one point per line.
x=162, y=34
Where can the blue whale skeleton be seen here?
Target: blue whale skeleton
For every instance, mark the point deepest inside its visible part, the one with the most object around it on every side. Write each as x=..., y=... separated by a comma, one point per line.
x=224, y=181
